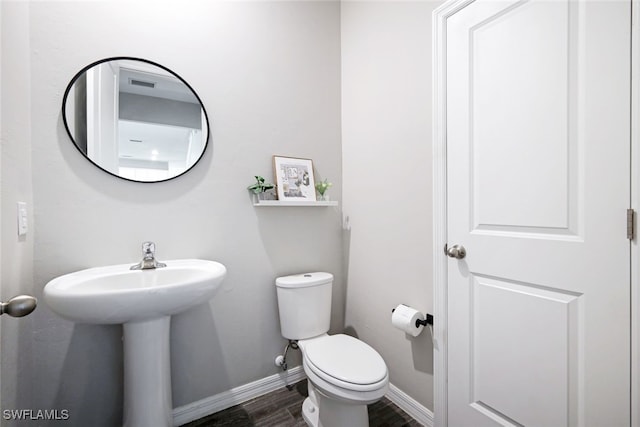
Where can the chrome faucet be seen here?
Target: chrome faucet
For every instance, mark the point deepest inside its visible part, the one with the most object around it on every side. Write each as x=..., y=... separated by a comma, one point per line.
x=149, y=258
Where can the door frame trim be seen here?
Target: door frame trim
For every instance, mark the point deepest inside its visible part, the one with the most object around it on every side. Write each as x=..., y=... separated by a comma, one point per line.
x=439, y=88
x=635, y=204
x=439, y=141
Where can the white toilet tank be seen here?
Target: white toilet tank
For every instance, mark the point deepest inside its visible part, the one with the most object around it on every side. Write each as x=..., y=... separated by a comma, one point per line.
x=304, y=302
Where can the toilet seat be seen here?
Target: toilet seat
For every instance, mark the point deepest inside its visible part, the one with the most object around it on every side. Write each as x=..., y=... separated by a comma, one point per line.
x=346, y=362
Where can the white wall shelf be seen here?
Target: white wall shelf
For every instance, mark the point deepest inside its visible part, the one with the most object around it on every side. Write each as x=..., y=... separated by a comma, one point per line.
x=290, y=203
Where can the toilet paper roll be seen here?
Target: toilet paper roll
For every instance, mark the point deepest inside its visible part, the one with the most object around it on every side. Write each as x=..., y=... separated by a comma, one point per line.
x=404, y=318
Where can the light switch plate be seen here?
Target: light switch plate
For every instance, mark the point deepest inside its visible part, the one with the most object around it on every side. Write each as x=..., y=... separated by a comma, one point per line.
x=23, y=225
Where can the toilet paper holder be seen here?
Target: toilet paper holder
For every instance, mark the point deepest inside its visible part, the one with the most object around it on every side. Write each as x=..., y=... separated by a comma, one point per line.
x=427, y=321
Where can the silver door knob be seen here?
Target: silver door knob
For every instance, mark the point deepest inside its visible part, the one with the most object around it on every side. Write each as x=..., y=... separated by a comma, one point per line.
x=18, y=306
x=455, y=251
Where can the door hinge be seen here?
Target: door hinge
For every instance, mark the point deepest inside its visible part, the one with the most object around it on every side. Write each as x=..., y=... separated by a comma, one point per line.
x=631, y=232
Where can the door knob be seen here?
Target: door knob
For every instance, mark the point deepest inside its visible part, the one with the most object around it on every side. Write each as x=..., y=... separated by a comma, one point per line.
x=18, y=306
x=455, y=251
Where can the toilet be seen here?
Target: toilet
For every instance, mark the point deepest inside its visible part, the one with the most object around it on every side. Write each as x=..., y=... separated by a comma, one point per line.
x=344, y=374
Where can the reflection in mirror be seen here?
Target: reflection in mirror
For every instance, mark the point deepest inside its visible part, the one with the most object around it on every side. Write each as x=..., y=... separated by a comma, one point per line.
x=135, y=119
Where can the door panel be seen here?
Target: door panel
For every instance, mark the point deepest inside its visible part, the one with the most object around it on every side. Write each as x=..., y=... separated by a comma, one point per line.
x=538, y=183
x=543, y=350
x=505, y=107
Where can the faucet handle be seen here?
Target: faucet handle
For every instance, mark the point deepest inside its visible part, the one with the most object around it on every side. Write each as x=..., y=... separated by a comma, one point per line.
x=148, y=248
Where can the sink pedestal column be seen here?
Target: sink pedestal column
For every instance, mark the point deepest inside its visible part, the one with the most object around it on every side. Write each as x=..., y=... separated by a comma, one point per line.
x=147, y=374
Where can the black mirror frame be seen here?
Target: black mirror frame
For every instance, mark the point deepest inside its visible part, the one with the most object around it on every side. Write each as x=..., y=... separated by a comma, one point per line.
x=131, y=58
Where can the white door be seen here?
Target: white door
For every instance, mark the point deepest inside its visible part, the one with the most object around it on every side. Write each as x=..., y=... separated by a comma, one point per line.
x=538, y=183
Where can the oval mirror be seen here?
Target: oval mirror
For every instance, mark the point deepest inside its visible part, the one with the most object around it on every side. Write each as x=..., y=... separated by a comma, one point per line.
x=135, y=119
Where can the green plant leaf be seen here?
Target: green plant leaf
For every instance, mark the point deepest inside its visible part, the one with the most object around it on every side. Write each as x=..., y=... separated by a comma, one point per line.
x=260, y=186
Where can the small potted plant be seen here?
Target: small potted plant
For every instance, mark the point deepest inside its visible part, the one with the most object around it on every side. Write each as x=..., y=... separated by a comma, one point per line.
x=261, y=189
x=321, y=188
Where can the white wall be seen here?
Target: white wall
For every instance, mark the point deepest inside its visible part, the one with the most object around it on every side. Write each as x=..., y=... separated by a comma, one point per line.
x=15, y=185
x=386, y=149
x=269, y=76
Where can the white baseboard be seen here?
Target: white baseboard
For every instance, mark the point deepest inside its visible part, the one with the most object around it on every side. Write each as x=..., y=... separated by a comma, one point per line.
x=235, y=396
x=243, y=393
x=411, y=406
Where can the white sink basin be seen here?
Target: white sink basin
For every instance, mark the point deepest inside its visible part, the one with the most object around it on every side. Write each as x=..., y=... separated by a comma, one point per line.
x=116, y=294
x=143, y=301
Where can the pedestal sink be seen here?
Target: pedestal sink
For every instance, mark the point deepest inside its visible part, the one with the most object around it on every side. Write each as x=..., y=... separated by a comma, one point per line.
x=143, y=301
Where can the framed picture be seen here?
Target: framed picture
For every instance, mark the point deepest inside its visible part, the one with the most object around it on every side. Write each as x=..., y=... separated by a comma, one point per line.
x=294, y=179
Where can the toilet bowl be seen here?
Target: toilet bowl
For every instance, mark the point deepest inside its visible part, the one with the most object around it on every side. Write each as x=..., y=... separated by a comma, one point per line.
x=344, y=374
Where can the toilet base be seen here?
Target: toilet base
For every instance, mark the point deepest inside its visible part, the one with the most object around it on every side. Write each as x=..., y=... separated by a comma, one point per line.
x=319, y=410
x=310, y=413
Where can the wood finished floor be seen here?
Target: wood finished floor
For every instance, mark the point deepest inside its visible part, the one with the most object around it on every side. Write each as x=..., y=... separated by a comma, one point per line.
x=284, y=408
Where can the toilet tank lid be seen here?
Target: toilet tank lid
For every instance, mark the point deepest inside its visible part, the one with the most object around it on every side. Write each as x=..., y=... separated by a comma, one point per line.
x=304, y=280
